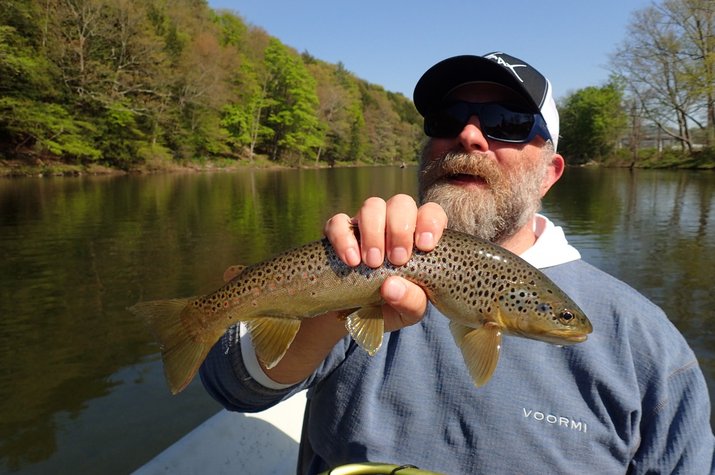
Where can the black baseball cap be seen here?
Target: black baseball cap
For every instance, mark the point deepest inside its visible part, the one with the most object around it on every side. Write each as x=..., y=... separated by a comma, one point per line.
x=499, y=68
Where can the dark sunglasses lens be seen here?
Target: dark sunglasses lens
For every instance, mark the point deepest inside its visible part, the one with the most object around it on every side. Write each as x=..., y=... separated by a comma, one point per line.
x=497, y=121
x=501, y=123
x=447, y=122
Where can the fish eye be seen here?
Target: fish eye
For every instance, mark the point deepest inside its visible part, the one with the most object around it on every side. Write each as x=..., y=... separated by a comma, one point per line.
x=566, y=316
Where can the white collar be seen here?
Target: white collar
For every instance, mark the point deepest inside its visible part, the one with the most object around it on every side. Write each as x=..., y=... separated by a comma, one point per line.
x=551, y=247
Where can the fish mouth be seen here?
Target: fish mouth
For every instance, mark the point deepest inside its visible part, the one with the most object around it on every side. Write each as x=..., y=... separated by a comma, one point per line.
x=577, y=338
x=571, y=339
x=562, y=339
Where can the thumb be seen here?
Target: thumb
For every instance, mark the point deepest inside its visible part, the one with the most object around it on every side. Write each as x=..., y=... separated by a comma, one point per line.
x=405, y=303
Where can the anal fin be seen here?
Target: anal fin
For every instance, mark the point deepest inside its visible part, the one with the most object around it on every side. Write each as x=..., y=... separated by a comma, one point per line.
x=271, y=337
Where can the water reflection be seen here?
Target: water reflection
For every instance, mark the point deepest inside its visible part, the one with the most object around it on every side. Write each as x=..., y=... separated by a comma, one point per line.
x=81, y=387
x=656, y=231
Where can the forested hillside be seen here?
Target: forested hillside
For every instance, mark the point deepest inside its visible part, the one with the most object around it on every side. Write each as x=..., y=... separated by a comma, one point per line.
x=148, y=83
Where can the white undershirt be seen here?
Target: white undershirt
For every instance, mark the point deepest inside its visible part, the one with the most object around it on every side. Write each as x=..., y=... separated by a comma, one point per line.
x=551, y=247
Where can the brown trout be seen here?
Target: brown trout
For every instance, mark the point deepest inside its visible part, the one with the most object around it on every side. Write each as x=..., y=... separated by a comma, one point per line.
x=482, y=288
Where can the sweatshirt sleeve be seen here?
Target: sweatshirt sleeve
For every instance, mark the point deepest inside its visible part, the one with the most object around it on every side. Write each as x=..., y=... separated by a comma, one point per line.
x=227, y=379
x=676, y=433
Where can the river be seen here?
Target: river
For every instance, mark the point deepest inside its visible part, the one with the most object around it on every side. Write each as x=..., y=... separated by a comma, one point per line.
x=81, y=384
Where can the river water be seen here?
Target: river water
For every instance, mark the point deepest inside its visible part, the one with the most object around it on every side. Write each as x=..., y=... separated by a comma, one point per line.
x=81, y=384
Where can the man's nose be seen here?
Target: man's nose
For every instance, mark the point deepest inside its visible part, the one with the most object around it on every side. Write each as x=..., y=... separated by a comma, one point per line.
x=472, y=138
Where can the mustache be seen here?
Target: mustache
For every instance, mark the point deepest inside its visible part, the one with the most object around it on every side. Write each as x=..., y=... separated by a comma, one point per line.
x=458, y=163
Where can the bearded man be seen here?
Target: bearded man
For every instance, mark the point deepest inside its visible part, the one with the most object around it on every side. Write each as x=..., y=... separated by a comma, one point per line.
x=630, y=399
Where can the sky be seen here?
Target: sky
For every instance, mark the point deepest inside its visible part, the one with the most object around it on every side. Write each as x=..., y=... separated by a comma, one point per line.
x=392, y=42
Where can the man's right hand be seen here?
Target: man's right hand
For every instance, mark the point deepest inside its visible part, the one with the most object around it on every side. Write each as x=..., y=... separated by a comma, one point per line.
x=391, y=228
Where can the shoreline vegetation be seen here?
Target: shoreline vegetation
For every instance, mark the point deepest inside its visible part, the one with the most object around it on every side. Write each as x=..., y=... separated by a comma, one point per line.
x=703, y=160
x=53, y=167
x=99, y=87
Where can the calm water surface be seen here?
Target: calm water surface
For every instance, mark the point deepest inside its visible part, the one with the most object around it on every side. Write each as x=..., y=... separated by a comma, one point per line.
x=81, y=385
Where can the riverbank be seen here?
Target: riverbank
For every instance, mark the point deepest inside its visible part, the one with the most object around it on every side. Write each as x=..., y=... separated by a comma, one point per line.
x=55, y=167
x=46, y=168
x=703, y=159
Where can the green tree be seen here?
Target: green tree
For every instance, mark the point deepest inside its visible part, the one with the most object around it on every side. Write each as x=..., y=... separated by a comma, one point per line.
x=592, y=121
x=202, y=90
x=23, y=72
x=293, y=115
x=392, y=127
x=30, y=123
x=245, y=119
x=351, y=147
x=380, y=126
x=46, y=129
x=409, y=130
x=339, y=109
x=121, y=137
x=133, y=81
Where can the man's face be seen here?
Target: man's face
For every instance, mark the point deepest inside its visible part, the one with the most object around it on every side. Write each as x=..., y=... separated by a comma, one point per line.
x=488, y=188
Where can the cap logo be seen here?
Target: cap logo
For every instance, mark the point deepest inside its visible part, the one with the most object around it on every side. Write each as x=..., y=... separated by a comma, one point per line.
x=500, y=61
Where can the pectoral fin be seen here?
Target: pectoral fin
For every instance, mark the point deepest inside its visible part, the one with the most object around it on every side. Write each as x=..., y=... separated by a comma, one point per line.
x=367, y=327
x=480, y=349
x=271, y=337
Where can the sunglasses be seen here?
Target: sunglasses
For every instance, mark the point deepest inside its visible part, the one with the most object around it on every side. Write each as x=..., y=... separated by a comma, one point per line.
x=502, y=122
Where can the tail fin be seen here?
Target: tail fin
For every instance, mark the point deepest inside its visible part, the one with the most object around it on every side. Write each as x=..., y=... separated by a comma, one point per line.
x=181, y=351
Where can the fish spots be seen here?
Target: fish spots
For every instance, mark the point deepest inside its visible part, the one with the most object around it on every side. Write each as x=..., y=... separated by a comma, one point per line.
x=521, y=301
x=544, y=308
x=466, y=278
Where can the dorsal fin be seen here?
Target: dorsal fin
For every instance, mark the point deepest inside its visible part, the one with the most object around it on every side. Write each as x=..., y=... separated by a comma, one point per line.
x=231, y=272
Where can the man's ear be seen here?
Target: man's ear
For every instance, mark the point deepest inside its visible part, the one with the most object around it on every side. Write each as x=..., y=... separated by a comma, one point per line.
x=553, y=172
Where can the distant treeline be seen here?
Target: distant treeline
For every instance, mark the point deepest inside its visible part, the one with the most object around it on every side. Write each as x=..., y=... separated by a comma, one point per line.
x=151, y=82
x=659, y=106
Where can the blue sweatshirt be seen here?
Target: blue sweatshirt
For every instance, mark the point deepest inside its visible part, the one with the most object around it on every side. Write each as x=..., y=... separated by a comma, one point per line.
x=632, y=398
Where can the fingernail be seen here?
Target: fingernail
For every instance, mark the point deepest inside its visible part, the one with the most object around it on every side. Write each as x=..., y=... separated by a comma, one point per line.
x=373, y=257
x=352, y=257
x=425, y=240
x=394, y=290
x=398, y=255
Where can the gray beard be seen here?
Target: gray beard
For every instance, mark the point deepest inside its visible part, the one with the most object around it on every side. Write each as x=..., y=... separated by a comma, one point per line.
x=494, y=213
